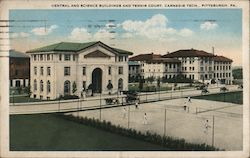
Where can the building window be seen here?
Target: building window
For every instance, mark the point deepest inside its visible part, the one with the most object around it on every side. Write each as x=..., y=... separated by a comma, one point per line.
x=202, y=68
x=48, y=56
x=229, y=74
x=35, y=70
x=174, y=66
x=41, y=71
x=84, y=71
x=110, y=70
x=66, y=71
x=210, y=68
x=193, y=68
x=34, y=57
x=60, y=57
x=48, y=86
x=120, y=70
x=229, y=67
x=120, y=58
x=66, y=57
x=48, y=71
x=67, y=87
x=41, y=57
x=41, y=86
x=74, y=57
x=120, y=84
x=185, y=68
x=170, y=66
x=125, y=58
x=35, y=85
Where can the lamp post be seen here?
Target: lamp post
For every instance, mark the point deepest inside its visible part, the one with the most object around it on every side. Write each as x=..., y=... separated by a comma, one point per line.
x=100, y=106
x=59, y=98
x=13, y=100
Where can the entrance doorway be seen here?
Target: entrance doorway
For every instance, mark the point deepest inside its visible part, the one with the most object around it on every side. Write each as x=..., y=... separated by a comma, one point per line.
x=97, y=80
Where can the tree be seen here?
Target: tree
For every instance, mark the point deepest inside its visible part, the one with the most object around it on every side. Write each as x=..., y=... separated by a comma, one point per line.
x=141, y=82
x=151, y=79
x=27, y=90
x=109, y=87
x=74, y=87
x=158, y=82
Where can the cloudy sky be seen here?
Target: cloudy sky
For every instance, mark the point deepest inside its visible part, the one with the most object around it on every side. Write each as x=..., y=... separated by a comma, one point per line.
x=139, y=31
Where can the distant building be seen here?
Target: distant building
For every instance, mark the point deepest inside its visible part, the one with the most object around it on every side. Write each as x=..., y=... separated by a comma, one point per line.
x=134, y=71
x=19, y=69
x=154, y=65
x=70, y=68
x=202, y=66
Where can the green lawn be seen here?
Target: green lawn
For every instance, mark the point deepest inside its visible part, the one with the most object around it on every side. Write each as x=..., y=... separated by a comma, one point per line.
x=48, y=132
x=232, y=97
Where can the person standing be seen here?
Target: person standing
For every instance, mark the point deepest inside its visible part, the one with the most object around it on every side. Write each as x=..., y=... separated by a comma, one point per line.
x=206, y=127
x=145, y=121
x=124, y=112
x=189, y=99
x=136, y=105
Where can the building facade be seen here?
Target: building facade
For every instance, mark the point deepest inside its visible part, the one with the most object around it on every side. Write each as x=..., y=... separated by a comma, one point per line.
x=19, y=69
x=202, y=66
x=154, y=65
x=194, y=64
x=71, y=68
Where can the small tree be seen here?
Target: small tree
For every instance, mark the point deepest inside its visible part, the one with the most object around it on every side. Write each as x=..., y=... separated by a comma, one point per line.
x=74, y=87
x=27, y=90
x=151, y=79
x=141, y=82
x=158, y=82
x=109, y=87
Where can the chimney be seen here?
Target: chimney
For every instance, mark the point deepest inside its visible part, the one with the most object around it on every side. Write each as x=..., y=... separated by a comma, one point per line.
x=213, y=50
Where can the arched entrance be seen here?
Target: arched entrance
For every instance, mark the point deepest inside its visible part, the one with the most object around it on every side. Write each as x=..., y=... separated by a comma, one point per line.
x=97, y=80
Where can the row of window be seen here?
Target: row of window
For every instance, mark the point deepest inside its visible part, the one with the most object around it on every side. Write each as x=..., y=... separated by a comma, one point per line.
x=49, y=57
x=42, y=71
x=216, y=68
x=216, y=75
x=185, y=68
x=67, y=71
x=41, y=85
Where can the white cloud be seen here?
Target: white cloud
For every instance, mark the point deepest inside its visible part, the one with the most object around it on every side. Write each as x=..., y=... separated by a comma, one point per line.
x=24, y=34
x=20, y=35
x=14, y=35
x=80, y=34
x=208, y=25
x=127, y=35
x=185, y=32
x=42, y=31
x=154, y=28
x=104, y=34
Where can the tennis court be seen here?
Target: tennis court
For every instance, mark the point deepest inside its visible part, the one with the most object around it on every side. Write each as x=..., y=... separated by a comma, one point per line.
x=169, y=117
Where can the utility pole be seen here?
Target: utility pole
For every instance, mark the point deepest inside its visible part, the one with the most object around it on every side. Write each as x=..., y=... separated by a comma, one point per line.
x=213, y=133
x=100, y=106
x=165, y=120
x=128, y=114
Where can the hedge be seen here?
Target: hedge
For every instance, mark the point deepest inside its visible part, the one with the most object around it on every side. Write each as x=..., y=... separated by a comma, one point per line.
x=174, y=144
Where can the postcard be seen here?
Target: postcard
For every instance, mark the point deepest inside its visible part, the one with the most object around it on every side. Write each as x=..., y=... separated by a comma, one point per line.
x=124, y=78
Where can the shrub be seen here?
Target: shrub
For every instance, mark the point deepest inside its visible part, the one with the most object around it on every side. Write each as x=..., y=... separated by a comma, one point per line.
x=67, y=97
x=172, y=143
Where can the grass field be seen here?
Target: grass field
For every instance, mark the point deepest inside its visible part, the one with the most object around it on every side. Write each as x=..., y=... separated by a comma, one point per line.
x=232, y=97
x=47, y=132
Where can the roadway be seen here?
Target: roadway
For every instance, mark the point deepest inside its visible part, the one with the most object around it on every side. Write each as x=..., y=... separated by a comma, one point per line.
x=95, y=102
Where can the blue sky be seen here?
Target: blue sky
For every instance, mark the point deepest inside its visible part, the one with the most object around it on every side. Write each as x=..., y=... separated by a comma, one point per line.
x=140, y=31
